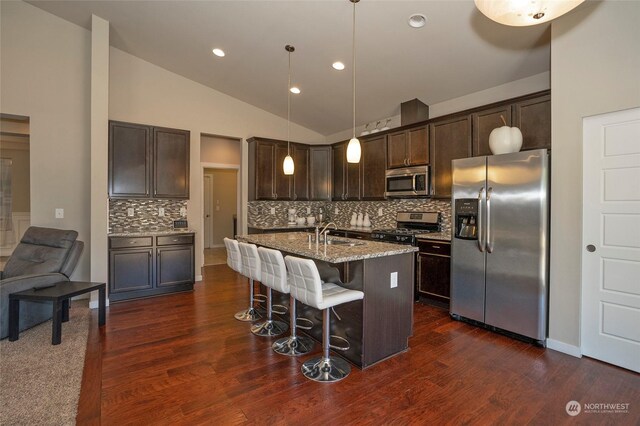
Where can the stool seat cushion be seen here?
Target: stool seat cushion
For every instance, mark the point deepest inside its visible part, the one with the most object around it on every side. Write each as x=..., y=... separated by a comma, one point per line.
x=333, y=295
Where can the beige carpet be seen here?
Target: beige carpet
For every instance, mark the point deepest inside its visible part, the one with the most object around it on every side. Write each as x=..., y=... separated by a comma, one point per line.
x=40, y=382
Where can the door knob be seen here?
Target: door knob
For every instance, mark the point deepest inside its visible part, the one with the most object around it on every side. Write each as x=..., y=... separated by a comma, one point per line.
x=591, y=248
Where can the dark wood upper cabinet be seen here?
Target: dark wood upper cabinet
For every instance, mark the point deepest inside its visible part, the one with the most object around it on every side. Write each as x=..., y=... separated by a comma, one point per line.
x=300, y=154
x=267, y=180
x=283, y=183
x=338, y=170
x=408, y=148
x=533, y=117
x=373, y=168
x=320, y=172
x=450, y=139
x=129, y=160
x=146, y=161
x=483, y=123
x=171, y=163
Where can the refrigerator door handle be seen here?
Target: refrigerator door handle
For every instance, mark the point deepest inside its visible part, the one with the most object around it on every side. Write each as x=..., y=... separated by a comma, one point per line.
x=480, y=242
x=488, y=237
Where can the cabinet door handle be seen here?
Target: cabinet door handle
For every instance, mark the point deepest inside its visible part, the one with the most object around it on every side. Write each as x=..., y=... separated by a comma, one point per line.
x=436, y=247
x=175, y=240
x=132, y=242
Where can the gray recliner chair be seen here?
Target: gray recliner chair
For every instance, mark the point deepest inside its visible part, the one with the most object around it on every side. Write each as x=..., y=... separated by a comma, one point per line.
x=43, y=256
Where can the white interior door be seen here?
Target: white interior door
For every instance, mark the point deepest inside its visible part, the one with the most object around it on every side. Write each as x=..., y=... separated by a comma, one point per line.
x=208, y=225
x=611, y=238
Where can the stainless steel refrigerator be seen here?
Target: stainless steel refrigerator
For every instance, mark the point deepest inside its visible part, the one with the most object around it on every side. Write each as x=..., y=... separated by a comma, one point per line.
x=500, y=245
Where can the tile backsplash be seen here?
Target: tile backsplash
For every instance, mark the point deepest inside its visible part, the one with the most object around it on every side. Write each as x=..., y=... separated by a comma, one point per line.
x=260, y=211
x=145, y=214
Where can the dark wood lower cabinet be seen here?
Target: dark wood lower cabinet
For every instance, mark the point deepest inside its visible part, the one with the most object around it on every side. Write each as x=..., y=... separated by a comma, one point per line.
x=164, y=264
x=433, y=271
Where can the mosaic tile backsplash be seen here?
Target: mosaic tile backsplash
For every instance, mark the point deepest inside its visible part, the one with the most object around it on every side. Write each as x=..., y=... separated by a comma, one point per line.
x=260, y=211
x=145, y=214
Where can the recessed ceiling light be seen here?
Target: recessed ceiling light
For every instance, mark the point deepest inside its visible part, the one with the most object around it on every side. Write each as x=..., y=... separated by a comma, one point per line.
x=417, y=20
x=218, y=52
x=338, y=66
x=295, y=90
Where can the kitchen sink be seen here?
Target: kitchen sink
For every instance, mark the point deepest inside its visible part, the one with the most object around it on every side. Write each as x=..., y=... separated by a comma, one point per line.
x=345, y=243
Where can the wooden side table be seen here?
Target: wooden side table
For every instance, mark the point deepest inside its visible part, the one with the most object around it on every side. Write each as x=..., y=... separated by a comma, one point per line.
x=59, y=294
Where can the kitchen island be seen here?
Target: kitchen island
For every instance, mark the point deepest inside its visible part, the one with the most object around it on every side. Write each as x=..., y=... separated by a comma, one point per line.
x=377, y=327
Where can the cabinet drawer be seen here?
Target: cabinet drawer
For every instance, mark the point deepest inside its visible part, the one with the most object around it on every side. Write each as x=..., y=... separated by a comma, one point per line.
x=128, y=242
x=433, y=247
x=171, y=240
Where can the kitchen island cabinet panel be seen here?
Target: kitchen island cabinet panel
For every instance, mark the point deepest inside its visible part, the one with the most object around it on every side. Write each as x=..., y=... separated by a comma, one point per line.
x=450, y=139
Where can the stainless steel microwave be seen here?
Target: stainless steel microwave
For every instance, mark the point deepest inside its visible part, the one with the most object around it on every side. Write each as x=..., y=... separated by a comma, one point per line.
x=407, y=182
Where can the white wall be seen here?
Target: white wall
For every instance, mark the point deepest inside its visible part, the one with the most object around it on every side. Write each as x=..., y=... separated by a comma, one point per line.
x=45, y=75
x=595, y=68
x=513, y=89
x=145, y=93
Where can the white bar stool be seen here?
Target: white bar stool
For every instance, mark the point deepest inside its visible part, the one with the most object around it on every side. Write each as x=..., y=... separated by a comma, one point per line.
x=307, y=287
x=273, y=274
x=235, y=259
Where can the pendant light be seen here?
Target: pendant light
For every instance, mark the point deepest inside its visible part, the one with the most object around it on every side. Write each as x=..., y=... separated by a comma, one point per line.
x=287, y=165
x=353, y=148
x=520, y=13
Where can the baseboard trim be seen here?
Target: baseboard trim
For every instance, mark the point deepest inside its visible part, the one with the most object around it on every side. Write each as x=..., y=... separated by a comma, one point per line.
x=198, y=277
x=564, y=348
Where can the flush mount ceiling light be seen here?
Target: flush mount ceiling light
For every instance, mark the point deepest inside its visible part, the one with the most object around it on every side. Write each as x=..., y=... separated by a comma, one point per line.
x=295, y=90
x=338, y=66
x=287, y=165
x=520, y=13
x=353, y=148
x=417, y=20
x=218, y=52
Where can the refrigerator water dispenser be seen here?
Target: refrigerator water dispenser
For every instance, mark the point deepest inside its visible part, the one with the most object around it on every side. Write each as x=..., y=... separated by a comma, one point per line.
x=466, y=219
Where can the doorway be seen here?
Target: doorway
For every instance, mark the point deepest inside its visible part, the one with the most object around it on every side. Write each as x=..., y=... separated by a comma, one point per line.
x=15, y=196
x=220, y=158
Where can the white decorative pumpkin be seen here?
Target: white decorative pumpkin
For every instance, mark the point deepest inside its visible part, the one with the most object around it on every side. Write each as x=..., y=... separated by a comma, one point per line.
x=505, y=139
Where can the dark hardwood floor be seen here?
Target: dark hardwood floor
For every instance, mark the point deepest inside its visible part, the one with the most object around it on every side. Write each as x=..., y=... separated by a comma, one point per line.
x=184, y=359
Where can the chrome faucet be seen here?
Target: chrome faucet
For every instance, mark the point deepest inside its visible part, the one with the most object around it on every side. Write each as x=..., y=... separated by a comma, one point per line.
x=324, y=230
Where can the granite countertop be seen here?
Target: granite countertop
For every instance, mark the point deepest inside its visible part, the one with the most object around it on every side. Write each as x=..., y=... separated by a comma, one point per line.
x=298, y=243
x=441, y=236
x=307, y=226
x=151, y=233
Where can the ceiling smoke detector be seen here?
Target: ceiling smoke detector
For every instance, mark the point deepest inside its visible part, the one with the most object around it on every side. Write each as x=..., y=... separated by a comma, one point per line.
x=417, y=20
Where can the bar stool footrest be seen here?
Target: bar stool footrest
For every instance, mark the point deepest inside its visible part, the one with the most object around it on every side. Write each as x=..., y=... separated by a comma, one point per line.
x=339, y=348
x=303, y=320
x=284, y=310
x=261, y=298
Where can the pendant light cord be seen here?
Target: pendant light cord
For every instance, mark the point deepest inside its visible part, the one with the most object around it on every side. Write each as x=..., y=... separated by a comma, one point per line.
x=289, y=106
x=354, y=68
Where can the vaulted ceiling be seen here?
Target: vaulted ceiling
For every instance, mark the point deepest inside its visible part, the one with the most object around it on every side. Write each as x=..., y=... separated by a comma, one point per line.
x=458, y=51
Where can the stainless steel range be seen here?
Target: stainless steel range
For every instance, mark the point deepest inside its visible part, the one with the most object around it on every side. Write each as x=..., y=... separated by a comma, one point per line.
x=408, y=225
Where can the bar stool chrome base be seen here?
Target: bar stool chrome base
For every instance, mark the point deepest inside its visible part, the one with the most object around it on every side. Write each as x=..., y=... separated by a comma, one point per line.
x=248, y=315
x=293, y=345
x=328, y=370
x=270, y=328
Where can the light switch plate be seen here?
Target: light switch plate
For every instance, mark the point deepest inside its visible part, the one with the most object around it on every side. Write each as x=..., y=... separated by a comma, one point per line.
x=130, y=211
x=380, y=211
x=337, y=211
x=273, y=210
x=59, y=213
x=183, y=212
x=161, y=211
x=308, y=210
x=394, y=279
